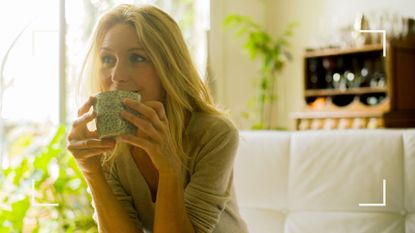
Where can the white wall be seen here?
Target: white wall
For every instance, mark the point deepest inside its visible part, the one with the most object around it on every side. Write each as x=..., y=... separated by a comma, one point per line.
x=231, y=67
x=234, y=70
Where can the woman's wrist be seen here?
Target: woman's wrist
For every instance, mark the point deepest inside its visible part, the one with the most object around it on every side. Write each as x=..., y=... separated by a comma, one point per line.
x=90, y=167
x=91, y=173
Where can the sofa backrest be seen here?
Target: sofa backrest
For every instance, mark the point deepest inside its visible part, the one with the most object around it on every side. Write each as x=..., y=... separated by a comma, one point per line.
x=314, y=181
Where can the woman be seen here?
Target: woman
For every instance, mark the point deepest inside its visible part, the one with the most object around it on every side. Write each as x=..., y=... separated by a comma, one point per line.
x=175, y=174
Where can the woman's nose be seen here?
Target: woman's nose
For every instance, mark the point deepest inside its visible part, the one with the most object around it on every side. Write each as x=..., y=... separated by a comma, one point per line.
x=119, y=73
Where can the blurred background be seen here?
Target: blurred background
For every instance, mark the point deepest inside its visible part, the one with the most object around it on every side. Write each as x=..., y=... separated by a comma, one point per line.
x=280, y=65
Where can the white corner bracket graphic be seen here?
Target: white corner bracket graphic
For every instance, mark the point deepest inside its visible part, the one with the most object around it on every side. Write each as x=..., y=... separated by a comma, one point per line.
x=383, y=38
x=383, y=204
x=39, y=204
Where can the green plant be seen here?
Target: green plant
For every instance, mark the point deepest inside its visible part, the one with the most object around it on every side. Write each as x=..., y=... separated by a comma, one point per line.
x=57, y=180
x=273, y=53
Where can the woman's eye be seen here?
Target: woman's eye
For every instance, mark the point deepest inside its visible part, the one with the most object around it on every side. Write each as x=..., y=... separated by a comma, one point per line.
x=135, y=58
x=107, y=60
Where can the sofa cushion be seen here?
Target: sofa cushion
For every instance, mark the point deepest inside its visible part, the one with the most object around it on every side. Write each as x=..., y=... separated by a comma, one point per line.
x=409, y=170
x=261, y=171
x=410, y=223
x=344, y=222
x=314, y=181
x=262, y=220
x=337, y=170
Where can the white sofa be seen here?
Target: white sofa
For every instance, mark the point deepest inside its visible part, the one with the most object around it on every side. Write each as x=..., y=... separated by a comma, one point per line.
x=314, y=181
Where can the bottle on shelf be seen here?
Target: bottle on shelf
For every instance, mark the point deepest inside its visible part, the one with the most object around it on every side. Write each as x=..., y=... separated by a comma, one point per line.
x=330, y=123
x=304, y=124
x=359, y=123
x=344, y=88
x=329, y=66
x=345, y=123
x=372, y=99
x=313, y=71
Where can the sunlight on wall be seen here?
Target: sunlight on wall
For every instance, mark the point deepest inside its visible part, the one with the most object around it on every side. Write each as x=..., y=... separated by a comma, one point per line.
x=30, y=72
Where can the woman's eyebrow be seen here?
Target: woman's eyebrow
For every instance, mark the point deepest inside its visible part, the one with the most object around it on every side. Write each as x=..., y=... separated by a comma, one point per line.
x=129, y=50
x=138, y=48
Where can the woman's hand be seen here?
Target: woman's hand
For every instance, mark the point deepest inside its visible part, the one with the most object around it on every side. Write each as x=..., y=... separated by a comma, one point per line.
x=84, y=144
x=153, y=134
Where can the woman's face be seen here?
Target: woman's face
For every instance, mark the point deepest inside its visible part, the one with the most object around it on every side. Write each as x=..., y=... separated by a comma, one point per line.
x=125, y=65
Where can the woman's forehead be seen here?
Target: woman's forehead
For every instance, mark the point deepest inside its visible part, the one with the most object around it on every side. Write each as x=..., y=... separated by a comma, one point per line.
x=121, y=37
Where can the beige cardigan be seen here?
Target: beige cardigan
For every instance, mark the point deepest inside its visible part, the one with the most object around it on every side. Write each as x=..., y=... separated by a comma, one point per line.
x=211, y=143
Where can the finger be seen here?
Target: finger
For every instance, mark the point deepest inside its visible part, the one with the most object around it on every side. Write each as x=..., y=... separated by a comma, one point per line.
x=137, y=141
x=144, y=110
x=87, y=105
x=82, y=134
x=88, y=153
x=144, y=125
x=84, y=119
x=91, y=143
x=159, y=108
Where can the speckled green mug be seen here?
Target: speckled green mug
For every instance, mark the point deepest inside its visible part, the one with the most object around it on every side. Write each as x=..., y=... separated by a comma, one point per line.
x=108, y=107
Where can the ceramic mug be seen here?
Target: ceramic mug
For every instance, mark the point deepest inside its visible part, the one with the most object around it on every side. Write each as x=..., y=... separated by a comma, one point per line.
x=108, y=106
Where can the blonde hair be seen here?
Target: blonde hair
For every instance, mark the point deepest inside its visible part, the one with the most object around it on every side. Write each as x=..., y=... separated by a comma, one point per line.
x=164, y=45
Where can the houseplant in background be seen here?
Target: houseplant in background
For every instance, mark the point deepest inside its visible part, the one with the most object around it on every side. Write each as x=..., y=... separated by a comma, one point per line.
x=273, y=53
x=57, y=179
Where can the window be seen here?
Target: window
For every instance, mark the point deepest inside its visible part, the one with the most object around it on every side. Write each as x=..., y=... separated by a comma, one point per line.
x=29, y=66
x=29, y=56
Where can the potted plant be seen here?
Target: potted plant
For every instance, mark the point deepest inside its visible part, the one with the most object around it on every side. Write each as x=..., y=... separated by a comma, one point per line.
x=273, y=54
x=56, y=178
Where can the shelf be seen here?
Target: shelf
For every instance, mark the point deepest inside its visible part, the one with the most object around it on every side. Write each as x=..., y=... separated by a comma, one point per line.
x=343, y=51
x=334, y=114
x=353, y=110
x=326, y=108
x=352, y=91
x=354, y=106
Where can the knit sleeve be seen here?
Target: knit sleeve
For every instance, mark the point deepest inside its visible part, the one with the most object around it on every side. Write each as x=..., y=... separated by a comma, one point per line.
x=125, y=199
x=209, y=188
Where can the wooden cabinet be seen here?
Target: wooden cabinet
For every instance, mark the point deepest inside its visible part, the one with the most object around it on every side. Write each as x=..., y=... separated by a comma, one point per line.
x=344, y=88
x=359, y=87
x=401, y=67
